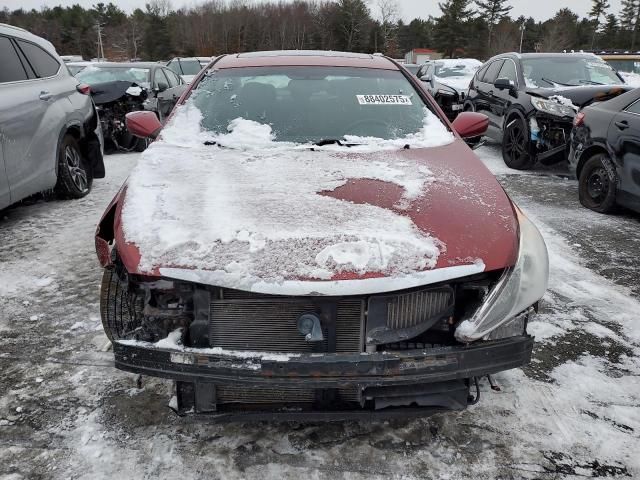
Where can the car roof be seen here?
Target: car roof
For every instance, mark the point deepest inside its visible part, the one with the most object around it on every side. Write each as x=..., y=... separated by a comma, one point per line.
x=127, y=64
x=306, y=58
x=543, y=55
x=23, y=34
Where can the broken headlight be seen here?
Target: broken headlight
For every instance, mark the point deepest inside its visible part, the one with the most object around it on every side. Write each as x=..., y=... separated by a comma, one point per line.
x=552, y=107
x=518, y=288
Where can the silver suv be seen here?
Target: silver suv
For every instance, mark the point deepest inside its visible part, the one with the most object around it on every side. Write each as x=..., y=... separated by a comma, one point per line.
x=49, y=130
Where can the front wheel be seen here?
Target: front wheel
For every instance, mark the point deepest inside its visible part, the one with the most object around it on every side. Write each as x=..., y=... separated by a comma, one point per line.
x=74, y=176
x=516, y=146
x=598, y=184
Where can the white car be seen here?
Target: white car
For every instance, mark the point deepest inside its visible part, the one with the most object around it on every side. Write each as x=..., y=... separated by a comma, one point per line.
x=49, y=131
x=448, y=81
x=188, y=67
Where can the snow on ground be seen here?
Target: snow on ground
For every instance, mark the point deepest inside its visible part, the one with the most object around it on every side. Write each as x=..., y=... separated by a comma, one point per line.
x=65, y=412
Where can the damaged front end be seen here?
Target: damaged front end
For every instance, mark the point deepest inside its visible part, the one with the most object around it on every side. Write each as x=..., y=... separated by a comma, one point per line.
x=237, y=354
x=550, y=126
x=551, y=120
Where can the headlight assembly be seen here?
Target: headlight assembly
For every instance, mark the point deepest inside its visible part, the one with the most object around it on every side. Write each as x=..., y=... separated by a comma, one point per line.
x=552, y=107
x=447, y=93
x=519, y=287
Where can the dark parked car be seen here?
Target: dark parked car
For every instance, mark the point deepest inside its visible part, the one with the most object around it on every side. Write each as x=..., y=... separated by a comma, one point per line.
x=531, y=100
x=448, y=82
x=605, y=153
x=119, y=88
x=301, y=242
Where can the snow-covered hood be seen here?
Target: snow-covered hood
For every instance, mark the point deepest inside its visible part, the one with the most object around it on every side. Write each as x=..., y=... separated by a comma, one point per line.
x=582, y=95
x=458, y=84
x=428, y=209
x=295, y=219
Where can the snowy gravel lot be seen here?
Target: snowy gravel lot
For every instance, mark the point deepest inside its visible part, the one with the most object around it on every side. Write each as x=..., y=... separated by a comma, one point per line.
x=65, y=412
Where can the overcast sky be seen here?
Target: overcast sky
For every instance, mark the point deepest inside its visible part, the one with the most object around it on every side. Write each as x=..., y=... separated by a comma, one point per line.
x=538, y=9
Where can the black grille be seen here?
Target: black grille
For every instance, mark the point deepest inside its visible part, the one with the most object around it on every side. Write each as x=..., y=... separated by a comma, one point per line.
x=269, y=324
x=226, y=394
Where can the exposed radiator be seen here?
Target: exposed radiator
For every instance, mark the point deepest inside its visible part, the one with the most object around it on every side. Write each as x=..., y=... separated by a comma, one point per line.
x=409, y=309
x=269, y=324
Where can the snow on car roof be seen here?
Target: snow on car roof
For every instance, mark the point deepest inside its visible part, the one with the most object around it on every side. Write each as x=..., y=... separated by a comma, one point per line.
x=255, y=211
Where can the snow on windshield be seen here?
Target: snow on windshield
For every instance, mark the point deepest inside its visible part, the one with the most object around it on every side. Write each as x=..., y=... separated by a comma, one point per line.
x=253, y=209
x=457, y=73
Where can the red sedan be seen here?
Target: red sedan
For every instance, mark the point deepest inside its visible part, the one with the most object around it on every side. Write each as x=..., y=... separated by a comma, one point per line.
x=310, y=236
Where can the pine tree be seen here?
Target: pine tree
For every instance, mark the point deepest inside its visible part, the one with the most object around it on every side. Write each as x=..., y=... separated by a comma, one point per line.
x=598, y=9
x=610, y=32
x=450, y=27
x=629, y=20
x=492, y=11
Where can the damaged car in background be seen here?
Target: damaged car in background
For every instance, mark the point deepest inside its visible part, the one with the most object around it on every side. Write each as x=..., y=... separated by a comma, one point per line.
x=532, y=98
x=120, y=88
x=448, y=82
x=310, y=238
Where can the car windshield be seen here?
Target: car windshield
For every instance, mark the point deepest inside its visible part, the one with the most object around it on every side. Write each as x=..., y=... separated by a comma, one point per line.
x=568, y=70
x=186, y=67
x=309, y=104
x=93, y=75
x=457, y=68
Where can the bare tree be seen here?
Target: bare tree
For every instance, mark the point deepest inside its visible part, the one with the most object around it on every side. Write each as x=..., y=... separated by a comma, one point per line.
x=389, y=11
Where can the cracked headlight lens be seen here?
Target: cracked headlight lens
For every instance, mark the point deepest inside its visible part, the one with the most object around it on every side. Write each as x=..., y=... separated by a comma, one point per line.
x=552, y=107
x=519, y=287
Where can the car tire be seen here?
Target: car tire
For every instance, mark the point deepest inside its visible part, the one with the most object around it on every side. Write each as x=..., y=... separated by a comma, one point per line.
x=120, y=312
x=516, y=148
x=74, y=175
x=598, y=184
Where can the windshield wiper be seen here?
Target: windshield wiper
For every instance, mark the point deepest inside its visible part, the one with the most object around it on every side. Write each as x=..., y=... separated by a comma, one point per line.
x=334, y=141
x=555, y=82
x=591, y=82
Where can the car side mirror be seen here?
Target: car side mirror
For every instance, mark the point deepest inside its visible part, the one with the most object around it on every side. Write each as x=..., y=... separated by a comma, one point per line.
x=503, y=84
x=143, y=124
x=426, y=78
x=470, y=125
x=160, y=88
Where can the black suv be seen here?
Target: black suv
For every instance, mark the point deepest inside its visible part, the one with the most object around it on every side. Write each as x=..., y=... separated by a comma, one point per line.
x=531, y=100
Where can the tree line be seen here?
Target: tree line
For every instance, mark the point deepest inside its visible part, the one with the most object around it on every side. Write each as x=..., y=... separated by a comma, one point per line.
x=475, y=28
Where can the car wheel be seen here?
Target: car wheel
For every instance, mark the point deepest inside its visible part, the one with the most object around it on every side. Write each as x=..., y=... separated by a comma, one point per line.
x=515, y=145
x=468, y=107
x=121, y=313
x=598, y=184
x=74, y=176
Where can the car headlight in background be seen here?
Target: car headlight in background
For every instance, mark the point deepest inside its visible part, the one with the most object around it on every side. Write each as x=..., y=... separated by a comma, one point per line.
x=519, y=287
x=448, y=93
x=552, y=107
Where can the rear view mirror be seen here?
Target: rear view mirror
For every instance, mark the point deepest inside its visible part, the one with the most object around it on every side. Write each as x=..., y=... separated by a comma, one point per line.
x=143, y=124
x=471, y=124
x=503, y=84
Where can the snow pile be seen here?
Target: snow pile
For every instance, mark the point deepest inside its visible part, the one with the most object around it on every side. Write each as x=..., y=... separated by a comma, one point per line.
x=253, y=209
x=630, y=78
x=564, y=101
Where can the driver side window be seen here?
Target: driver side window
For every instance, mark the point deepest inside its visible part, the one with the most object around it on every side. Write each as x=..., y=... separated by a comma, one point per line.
x=508, y=71
x=160, y=81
